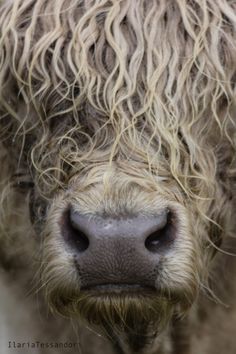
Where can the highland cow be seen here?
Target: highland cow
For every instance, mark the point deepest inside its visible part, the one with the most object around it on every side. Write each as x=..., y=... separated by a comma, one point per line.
x=117, y=181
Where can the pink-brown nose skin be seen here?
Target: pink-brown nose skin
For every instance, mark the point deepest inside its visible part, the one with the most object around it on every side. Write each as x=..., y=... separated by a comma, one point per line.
x=118, y=251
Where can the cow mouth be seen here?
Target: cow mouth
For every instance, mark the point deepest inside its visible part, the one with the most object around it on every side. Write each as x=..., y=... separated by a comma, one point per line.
x=129, y=314
x=119, y=289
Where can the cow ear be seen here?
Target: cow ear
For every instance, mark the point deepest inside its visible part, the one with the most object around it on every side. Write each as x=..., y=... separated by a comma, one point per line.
x=19, y=122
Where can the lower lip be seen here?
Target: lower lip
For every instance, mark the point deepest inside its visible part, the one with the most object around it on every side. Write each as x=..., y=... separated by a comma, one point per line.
x=119, y=288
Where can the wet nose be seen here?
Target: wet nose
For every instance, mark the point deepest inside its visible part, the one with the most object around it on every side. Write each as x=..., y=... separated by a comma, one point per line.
x=118, y=250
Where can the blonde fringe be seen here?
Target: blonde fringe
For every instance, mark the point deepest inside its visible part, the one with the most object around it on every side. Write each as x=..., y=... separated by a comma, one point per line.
x=147, y=84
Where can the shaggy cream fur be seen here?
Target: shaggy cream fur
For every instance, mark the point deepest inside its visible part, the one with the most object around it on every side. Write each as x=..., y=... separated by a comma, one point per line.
x=119, y=107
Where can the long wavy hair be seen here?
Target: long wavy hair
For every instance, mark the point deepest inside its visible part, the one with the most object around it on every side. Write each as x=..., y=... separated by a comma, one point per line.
x=148, y=82
x=147, y=86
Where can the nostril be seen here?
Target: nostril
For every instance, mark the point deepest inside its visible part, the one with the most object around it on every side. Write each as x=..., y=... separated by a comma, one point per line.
x=163, y=236
x=72, y=233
